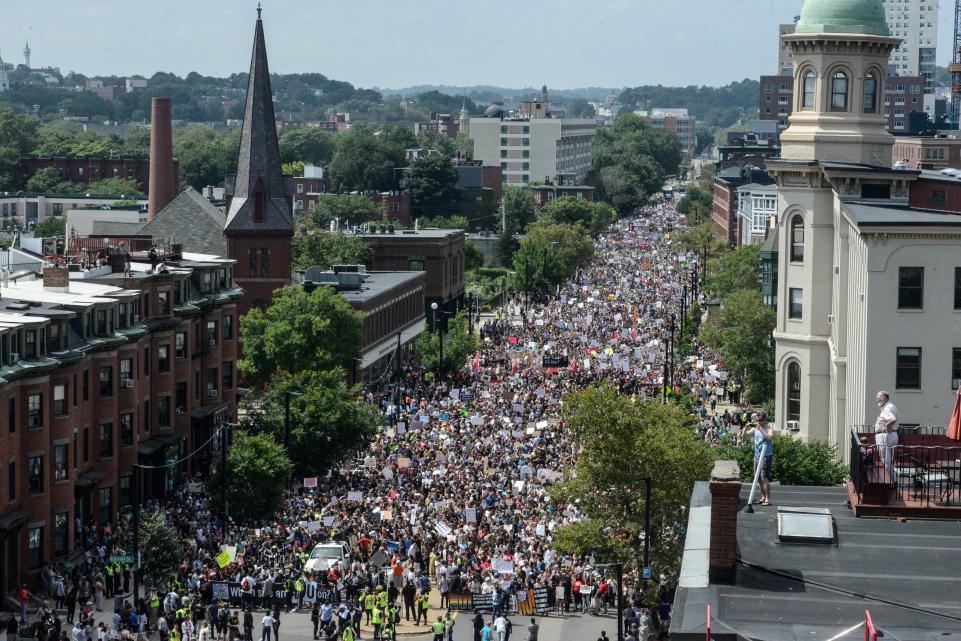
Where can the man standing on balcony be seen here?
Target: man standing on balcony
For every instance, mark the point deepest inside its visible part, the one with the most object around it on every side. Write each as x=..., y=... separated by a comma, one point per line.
x=886, y=432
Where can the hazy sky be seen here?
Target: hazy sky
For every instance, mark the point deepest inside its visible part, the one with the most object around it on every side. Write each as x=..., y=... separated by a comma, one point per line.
x=396, y=43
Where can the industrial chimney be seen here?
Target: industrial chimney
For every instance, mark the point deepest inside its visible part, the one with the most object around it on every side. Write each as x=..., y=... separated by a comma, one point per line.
x=163, y=183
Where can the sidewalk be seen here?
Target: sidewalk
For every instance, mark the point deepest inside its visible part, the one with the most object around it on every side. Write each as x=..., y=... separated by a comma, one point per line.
x=407, y=628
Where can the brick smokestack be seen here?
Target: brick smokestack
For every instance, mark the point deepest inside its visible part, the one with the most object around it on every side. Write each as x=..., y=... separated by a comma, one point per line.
x=163, y=183
x=725, y=488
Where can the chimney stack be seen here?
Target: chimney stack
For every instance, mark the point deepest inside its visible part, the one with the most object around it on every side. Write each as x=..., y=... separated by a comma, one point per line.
x=725, y=488
x=56, y=279
x=162, y=180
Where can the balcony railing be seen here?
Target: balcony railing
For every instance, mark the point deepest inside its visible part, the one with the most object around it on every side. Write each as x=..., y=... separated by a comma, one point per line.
x=923, y=470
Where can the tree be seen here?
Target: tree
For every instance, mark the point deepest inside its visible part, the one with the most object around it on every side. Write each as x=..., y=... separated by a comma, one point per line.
x=795, y=462
x=742, y=332
x=328, y=421
x=137, y=141
x=437, y=141
x=573, y=211
x=363, y=161
x=44, y=180
x=432, y=183
x=51, y=227
x=696, y=239
x=327, y=249
x=18, y=136
x=734, y=271
x=112, y=187
x=696, y=204
x=258, y=470
x=311, y=145
x=507, y=245
x=346, y=208
x=705, y=140
x=580, y=108
x=300, y=331
x=161, y=548
x=445, y=222
x=459, y=343
x=293, y=168
x=622, y=442
x=518, y=208
x=473, y=257
x=550, y=255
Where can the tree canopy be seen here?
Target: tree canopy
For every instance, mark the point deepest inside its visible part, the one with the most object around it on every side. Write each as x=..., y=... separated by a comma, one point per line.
x=363, y=161
x=257, y=471
x=795, y=462
x=550, y=255
x=300, y=331
x=327, y=249
x=161, y=548
x=459, y=343
x=346, y=208
x=735, y=270
x=712, y=106
x=596, y=216
x=432, y=183
x=519, y=208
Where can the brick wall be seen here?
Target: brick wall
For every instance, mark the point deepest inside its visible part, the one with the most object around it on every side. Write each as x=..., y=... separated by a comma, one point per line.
x=725, y=488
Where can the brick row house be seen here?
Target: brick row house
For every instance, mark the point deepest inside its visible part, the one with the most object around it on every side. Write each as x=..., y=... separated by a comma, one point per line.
x=101, y=371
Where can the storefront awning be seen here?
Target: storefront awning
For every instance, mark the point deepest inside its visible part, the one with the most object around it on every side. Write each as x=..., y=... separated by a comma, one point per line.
x=88, y=478
x=386, y=346
x=200, y=413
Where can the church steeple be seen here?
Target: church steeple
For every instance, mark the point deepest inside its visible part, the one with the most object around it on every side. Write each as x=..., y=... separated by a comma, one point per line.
x=26, y=54
x=259, y=200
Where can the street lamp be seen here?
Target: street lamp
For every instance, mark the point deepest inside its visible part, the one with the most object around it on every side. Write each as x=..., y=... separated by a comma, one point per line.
x=440, y=331
x=619, y=569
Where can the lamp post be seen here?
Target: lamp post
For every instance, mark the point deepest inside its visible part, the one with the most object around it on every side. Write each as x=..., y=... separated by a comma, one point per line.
x=440, y=331
x=619, y=570
x=136, y=530
x=647, y=530
x=671, y=353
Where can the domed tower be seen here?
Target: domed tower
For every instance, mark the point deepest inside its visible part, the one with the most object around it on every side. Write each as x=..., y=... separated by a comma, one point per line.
x=841, y=50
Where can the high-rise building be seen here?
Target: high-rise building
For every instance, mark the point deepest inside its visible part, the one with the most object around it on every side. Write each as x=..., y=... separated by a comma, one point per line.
x=916, y=23
x=785, y=56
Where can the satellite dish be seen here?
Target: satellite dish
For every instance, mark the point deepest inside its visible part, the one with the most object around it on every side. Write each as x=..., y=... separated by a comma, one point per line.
x=313, y=273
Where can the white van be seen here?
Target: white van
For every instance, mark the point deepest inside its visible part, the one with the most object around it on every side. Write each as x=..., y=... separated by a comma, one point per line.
x=326, y=554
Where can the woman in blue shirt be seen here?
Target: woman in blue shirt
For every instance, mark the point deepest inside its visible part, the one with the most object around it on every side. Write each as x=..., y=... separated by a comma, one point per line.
x=763, y=452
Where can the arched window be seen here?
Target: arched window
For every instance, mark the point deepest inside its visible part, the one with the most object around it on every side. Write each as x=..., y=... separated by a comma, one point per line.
x=253, y=262
x=793, y=392
x=870, y=93
x=264, y=262
x=797, y=239
x=810, y=83
x=839, y=91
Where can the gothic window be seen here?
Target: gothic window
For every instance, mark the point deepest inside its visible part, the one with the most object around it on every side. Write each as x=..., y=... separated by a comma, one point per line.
x=793, y=391
x=264, y=262
x=253, y=262
x=870, y=93
x=839, y=91
x=797, y=239
x=810, y=82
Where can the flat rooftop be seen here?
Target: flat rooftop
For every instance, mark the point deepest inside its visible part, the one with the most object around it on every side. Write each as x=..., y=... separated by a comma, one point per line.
x=871, y=215
x=376, y=284
x=420, y=233
x=907, y=574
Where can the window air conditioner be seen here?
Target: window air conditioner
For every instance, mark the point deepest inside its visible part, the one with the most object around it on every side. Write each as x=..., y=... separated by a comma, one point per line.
x=212, y=393
x=126, y=383
x=212, y=342
x=14, y=357
x=794, y=426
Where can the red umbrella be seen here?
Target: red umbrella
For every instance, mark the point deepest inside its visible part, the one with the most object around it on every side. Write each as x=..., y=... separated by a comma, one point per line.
x=954, y=427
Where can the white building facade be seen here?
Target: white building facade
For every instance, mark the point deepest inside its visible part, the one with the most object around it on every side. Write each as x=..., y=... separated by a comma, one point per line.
x=866, y=285
x=915, y=22
x=757, y=206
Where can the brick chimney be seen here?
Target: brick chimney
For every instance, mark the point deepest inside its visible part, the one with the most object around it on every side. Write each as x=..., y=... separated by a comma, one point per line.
x=56, y=279
x=725, y=488
x=163, y=183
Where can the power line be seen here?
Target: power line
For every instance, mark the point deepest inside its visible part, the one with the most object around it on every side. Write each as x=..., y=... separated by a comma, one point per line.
x=185, y=458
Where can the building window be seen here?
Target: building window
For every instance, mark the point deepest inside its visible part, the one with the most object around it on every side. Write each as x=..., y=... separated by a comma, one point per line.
x=228, y=327
x=35, y=475
x=796, y=299
x=180, y=344
x=260, y=202
x=180, y=399
x=415, y=266
x=163, y=358
x=163, y=411
x=910, y=287
x=908, y=369
x=106, y=382
x=60, y=399
x=793, y=391
x=106, y=440
x=125, y=493
x=106, y=505
x=939, y=196
x=61, y=535
x=12, y=415
x=163, y=302
x=60, y=465
x=212, y=333
x=955, y=368
x=264, y=262
x=228, y=375
x=870, y=93
x=86, y=385
x=126, y=430
x=253, y=262
x=12, y=480
x=810, y=82
x=35, y=547
x=86, y=445
x=839, y=92
x=797, y=239
x=34, y=410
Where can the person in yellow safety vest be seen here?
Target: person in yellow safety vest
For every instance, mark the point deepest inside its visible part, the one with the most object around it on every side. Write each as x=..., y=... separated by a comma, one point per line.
x=390, y=631
x=348, y=634
x=449, y=627
x=369, y=600
x=422, y=606
x=377, y=616
x=438, y=629
x=382, y=599
x=299, y=588
x=108, y=580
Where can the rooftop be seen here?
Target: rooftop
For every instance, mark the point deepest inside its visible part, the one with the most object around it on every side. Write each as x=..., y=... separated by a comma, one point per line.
x=418, y=233
x=864, y=215
x=905, y=573
x=843, y=16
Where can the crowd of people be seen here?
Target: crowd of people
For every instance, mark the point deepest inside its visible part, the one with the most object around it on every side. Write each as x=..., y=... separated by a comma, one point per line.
x=451, y=496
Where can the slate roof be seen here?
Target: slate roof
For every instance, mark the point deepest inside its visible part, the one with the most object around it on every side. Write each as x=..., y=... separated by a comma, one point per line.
x=258, y=164
x=191, y=220
x=115, y=228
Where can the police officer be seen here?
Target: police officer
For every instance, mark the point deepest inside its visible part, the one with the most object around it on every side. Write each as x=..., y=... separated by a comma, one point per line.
x=368, y=599
x=438, y=629
x=377, y=617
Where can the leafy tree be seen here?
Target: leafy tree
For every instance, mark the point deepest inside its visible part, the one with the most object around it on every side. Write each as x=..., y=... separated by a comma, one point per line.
x=363, y=161
x=795, y=462
x=696, y=204
x=518, y=208
x=112, y=187
x=18, y=136
x=161, y=548
x=459, y=343
x=705, y=140
x=696, y=238
x=734, y=271
x=629, y=161
x=507, y=245
x=712, y=106
x=622, y=442
x=51, y=227
x=473, y=256
x=258, y=470
x=137, y=141
x=293, y=168
x=312, y=145
x=44, y=180
x=572, y=211
x=346, y=208
x=580, y=108
x=205, y=156
x=300, y=331
x=329, y=248
x=742, y=332
x=437, y=141
x=445, y=222
x=432, y=183
x=550, y=255
x=328, y=421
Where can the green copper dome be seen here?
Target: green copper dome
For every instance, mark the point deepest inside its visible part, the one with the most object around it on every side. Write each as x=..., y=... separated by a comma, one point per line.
x=843, y=16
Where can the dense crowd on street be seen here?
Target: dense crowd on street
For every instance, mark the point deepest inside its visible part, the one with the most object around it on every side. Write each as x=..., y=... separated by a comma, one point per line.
x=451, y=496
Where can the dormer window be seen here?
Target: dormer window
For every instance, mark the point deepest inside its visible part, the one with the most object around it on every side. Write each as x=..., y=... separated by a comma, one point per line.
x=870, y=93
x=810, y=83
x=839, y=92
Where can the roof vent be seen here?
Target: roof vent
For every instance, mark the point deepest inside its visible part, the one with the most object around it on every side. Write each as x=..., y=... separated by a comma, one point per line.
x=805, y=525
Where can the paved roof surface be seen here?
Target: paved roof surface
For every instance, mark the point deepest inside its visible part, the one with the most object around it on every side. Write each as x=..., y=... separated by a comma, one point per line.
x=864, y=215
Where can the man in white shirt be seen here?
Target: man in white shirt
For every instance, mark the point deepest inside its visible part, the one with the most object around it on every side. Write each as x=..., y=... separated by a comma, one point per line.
x=500, y=628
x=886, y=432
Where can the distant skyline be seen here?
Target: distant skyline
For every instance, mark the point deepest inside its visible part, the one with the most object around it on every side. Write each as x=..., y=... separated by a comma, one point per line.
x=392, y=44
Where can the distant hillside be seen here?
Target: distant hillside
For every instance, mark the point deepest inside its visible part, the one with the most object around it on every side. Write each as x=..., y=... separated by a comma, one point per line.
x=487, y=93
x=713, y=106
